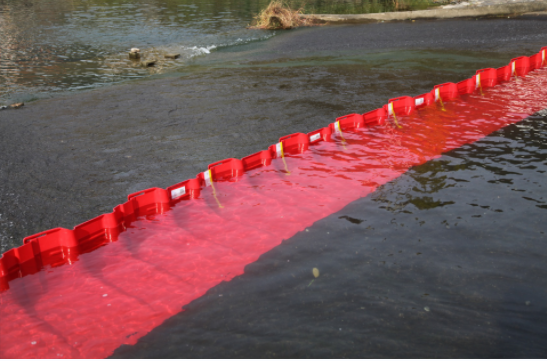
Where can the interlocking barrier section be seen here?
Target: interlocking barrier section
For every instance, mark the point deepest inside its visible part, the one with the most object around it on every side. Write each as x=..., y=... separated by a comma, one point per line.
x=84, y=292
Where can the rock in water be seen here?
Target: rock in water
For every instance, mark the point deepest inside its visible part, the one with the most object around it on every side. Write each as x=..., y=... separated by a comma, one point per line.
x=172, y=56
x=135, y=53
x=148, y=63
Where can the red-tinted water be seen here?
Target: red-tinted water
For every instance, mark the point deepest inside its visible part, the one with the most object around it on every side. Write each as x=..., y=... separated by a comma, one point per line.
x=119, y=292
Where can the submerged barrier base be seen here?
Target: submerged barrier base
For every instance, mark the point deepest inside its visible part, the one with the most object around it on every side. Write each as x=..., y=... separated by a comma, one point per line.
x=166, y=248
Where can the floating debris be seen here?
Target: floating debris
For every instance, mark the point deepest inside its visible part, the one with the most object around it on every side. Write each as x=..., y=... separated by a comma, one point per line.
x=315, y=272
x=15, y=105
x=427, y=309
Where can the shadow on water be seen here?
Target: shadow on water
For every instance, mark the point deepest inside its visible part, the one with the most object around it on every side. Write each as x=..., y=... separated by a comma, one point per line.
x=447, y=261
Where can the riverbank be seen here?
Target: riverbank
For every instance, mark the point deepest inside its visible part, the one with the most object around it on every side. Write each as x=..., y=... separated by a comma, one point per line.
x=69, y=159
x=468, y=9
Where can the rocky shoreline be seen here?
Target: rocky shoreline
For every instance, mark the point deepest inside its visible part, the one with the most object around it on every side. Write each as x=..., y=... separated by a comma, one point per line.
x=464, y=9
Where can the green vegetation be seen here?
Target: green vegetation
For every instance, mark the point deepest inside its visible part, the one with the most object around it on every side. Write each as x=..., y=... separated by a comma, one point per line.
x=360, y=6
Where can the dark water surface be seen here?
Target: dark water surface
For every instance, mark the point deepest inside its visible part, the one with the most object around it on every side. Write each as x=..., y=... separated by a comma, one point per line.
x=447, y=261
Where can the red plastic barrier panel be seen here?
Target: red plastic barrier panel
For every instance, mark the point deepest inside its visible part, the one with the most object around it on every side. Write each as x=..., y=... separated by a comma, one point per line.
x=466, y=86
x=486, y=78
x=444, y=92
x=226, y=169
x=147, y=202
x=535, y=61
x=258, y=159
x=18, y=262
x=423, y=100
x=53, y=247
x=188, y=189
x=375, y=117
x=520, y=66
x=99, y=231
x=296, y=143
x=348, y=122
x=504, y=73
x=400, y=106
x=323, y=134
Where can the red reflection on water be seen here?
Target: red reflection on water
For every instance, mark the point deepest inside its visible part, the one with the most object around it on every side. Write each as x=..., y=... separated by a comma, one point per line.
x=120, y=292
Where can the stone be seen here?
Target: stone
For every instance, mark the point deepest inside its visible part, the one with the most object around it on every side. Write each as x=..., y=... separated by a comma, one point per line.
x=172, y=56
x=135, y=53
x=148, y=63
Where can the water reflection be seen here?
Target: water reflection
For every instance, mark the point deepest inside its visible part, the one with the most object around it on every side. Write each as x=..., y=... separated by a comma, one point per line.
x=62, y=45
x=55, y=45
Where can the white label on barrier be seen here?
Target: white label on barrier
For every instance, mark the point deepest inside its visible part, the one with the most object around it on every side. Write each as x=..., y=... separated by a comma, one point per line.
x=278, y=150
x=437, y=94
x=175, y=193
x=390, y=109
x=477, y=81
x=419, y=102
x=315, y=137
x=513, y=67
x=542, y=57
x=337, y=127
x=207, y=177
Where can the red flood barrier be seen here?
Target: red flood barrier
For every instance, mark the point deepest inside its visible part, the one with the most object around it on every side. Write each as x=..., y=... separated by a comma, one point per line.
x=520, y=66
x=375, y=117
x=466, y=86
x=486, y=78
x=323, y=134
x=296, y=143
x=226, y=169
x=504, y=73
x=446, y=91
x=536, y=61
x=258, y=159
x=147, y=202
x=101, y=230
x=53, y=247
x=400, y=106
x=348, y=122
x=188, y=189
x=423, y=100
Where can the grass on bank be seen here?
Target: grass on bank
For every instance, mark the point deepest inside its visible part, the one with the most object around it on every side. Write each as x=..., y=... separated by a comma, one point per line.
x=285, y=14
